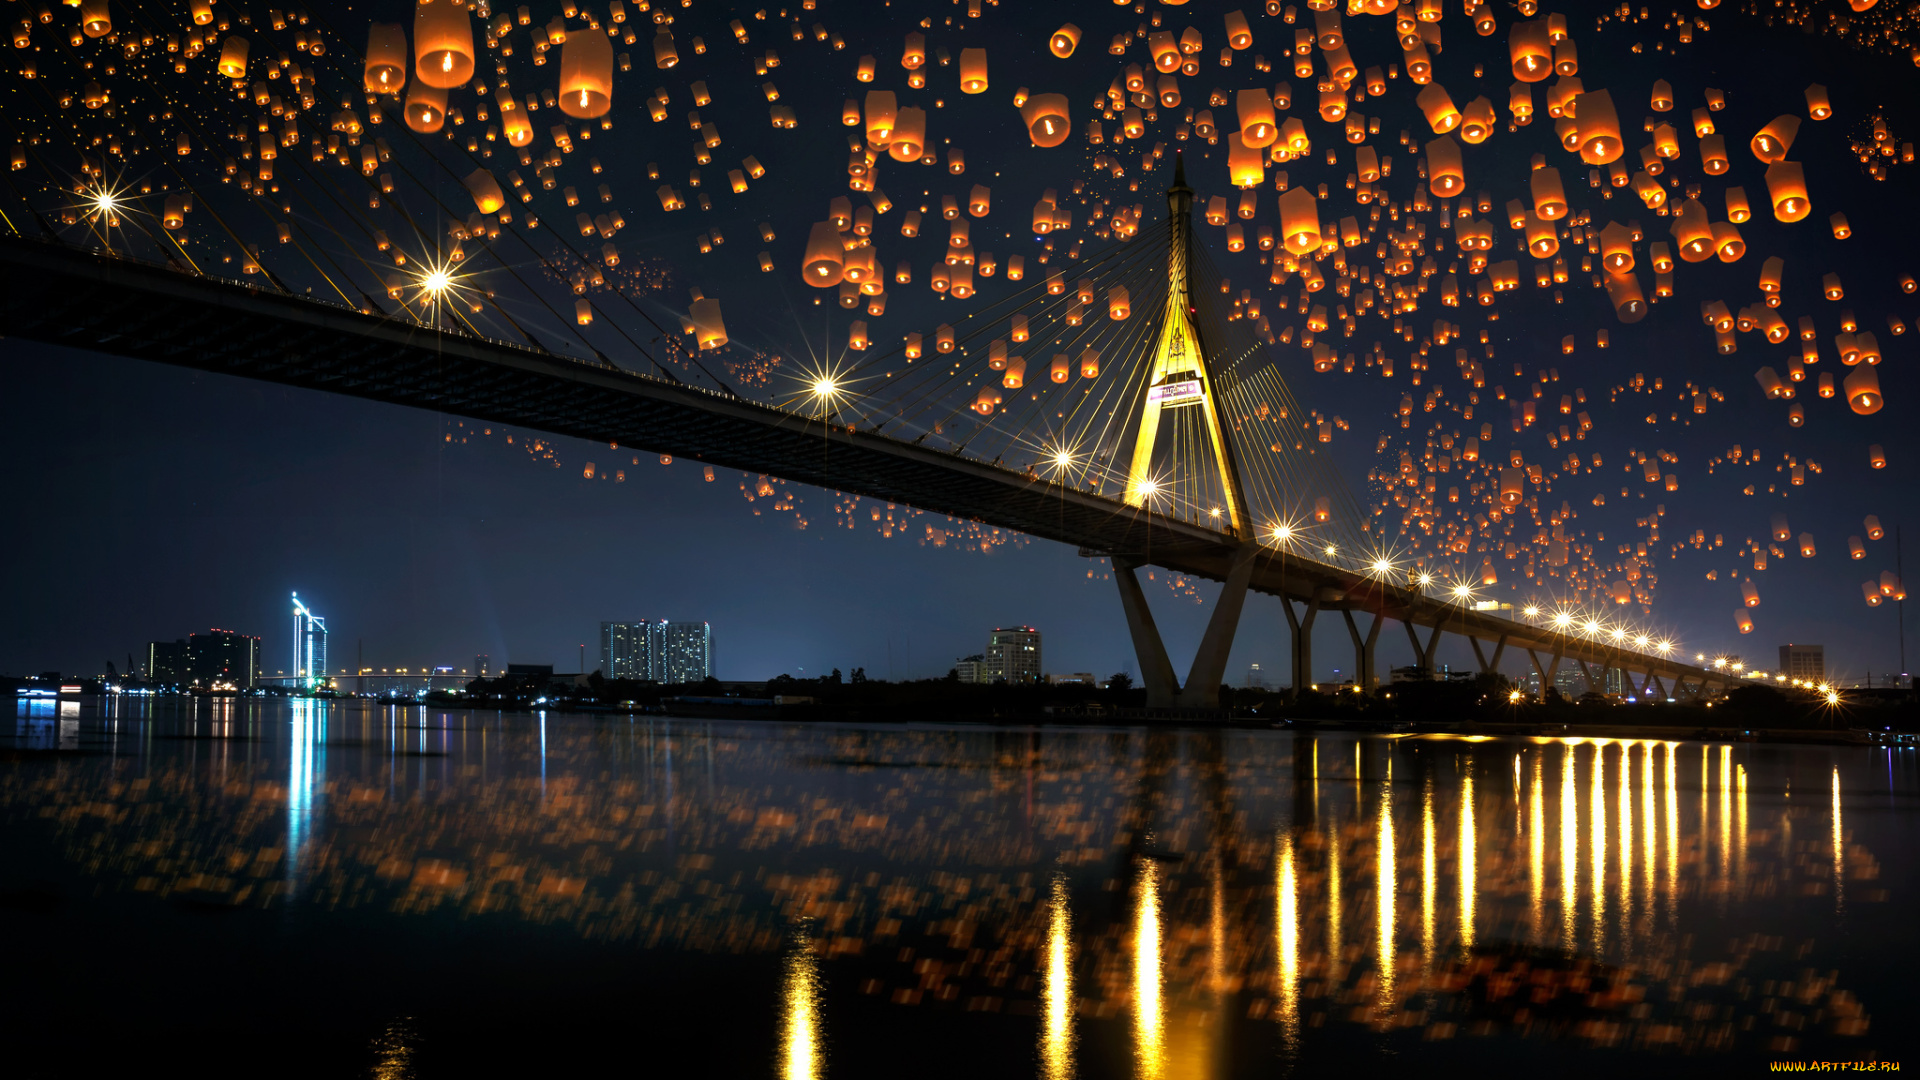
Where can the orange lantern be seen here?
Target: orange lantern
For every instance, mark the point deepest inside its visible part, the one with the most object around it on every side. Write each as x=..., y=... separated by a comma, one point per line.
x=1046, y=118
x=443, y=44
x=586, y=75
x=386, y=68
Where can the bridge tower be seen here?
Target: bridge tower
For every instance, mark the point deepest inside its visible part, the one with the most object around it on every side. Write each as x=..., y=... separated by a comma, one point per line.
x=1182, y=376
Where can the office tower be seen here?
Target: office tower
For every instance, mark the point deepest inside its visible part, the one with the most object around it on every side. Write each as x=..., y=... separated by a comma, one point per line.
x=1806, y=663
x=1013, y=655
x=309, y=646
x=167, y=663
x=223, y=660
x=970, y=669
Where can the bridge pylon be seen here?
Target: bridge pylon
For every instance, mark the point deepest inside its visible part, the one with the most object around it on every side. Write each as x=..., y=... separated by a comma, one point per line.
x=1182, y=376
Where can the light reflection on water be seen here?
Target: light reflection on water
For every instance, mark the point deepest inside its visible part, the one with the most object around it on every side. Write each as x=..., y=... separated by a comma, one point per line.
x=1136, y=891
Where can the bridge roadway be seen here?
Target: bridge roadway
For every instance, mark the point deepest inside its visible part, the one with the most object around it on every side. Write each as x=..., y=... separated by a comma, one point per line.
x=65, y=295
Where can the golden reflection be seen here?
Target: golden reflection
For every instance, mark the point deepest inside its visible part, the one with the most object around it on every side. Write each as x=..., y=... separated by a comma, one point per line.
x=1839, y=850
x=1429, y=874
x=1673, y=835
x=1740, y=823
x=1626, y=843
x=1649, y=840
x=1334, y=943
x=1286, y=922
x=1469, y=859
x=1569, y=847
x=393, y=1052
x=1597, y=846
x=801, y=1055
x=1149, y=1035
x=1726, y=811
x=1537, y=847
x=1056, y=1033
x=1386, y=878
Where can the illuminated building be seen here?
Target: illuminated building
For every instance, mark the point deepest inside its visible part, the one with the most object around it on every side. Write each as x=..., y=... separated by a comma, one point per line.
x=167, y=663
x=969, y=669
x=686, y=652
x=482, y=666
x=657, y=651
x=627, y=650
x=223, y=660
x=1013, y=656
x=1807, y=663
x=309, y=646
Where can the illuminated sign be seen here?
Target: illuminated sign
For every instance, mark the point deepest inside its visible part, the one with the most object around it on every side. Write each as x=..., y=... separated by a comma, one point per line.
x=1173, y=394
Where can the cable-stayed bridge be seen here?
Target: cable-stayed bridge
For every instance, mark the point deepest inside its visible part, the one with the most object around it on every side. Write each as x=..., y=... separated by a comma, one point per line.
x=1163, y=469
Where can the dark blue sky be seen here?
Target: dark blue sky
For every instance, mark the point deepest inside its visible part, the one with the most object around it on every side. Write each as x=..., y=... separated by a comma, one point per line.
x=154, y=502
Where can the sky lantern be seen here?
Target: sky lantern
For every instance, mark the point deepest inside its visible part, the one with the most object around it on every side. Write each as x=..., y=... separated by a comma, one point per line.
x=95, y=20
x=1771, y=143
x=881, y=113
x=426, y=108
x=1046, y=118
x=1239, y=36
x=1530, y=49
x=913, y=55
x=1600, y=142
x=826, y=256
x=1629, y=303
x=487, y=196
x=233, y=57
x=1749, y=593
x=1692, y=232
x=1089, y=363
x=1164, y=50
x=1257, y=127
x=1243, y=163
x=1118, y=303
x=1440, y=112
x=513, y=120
x=909, y=135
x=710, y=330
x=386, y=70
x=1549, y=197
x=1871, y=589
x=442, y=45
x=1299, y=220
x=1520, y=103
x=1662, y=96
x=1477, y=121
x=973, y=71
x=586, y=75
x=1862, y=388
x=1616, y=248
x=1818, y=107
x=1446, y=176
x=1743, y=620
x=1064, y=40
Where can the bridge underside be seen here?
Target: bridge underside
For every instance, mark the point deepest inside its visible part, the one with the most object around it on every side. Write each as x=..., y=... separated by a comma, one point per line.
x=63, y=295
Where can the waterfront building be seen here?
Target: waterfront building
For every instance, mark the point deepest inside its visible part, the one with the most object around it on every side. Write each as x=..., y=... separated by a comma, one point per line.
x=968, y=669
x=309, y=646
x=656, y=651
x=167, y=663
x=223, y=660
x=1013, y=655
x=1806, y=663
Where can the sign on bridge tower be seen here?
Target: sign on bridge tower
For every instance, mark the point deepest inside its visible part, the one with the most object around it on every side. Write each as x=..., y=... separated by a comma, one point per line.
x=1181, y=375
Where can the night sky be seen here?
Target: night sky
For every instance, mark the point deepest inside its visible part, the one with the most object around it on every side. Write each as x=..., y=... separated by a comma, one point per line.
x=152, y=502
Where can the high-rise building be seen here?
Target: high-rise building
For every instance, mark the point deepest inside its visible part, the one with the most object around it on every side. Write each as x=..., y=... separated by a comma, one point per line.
x=309, y=646
x=686, y=652
x=1807, y=663
x=223, y=660
x=483, y=666
x=1013, y=655
x=656, y=651
x=970, y=669
x=626, y=650
x=167, y=663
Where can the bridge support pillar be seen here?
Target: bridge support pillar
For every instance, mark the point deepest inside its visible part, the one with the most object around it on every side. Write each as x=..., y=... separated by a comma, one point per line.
x=1202, y=690
x=1363, y=650
x=1653, y=679
x=1423, y=654
x=1302, y=627
x=1499, y=650
x=1156, y=671
x=1586, y=674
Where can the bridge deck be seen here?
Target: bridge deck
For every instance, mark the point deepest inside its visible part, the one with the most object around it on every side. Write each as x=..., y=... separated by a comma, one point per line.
x=89, y=300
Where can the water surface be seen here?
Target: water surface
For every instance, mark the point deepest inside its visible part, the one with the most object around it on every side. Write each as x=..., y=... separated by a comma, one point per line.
x=345, y=890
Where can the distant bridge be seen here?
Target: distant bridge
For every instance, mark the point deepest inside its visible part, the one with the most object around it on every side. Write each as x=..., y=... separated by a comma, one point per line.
x=85, y=299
